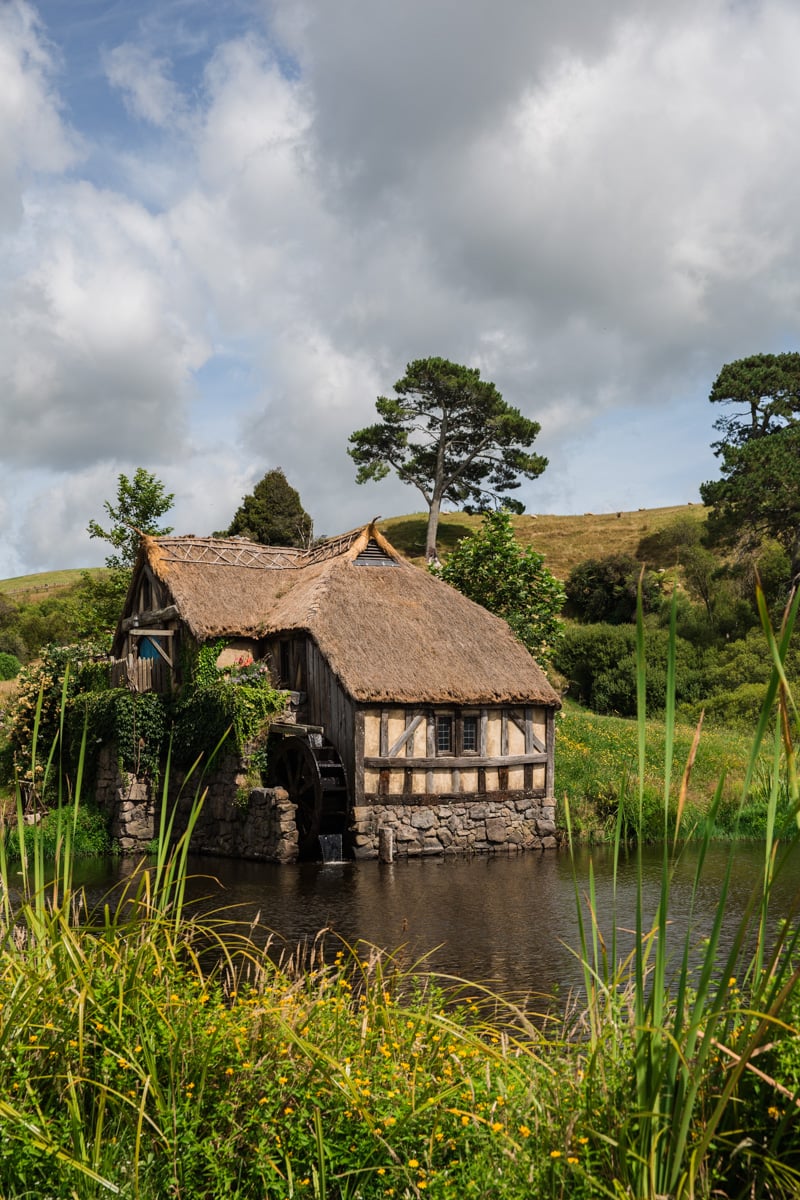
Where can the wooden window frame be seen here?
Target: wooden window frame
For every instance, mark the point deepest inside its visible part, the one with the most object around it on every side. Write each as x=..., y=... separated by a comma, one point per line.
x=463, y=749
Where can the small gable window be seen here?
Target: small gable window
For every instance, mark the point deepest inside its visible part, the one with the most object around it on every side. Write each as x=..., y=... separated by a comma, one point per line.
x=373, y=556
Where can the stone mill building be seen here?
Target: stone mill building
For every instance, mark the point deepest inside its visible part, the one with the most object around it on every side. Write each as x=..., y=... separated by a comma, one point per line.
x=416, y=714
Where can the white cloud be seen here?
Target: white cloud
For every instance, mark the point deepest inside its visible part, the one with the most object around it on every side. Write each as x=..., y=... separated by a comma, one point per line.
x=33, y=135
x=146, y=85
x=594, y=203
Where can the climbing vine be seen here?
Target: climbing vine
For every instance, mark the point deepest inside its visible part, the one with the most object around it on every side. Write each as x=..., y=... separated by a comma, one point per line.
x=239, y=700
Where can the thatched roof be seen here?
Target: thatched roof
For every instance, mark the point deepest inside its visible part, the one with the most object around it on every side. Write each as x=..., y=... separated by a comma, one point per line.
x=390, y=631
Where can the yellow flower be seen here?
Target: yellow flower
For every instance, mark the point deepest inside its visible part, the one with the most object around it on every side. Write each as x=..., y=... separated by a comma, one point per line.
x=555, y=1154
x=287, y=1112
x=582, y=1141
x=773, y=1112
x=229, y=1070
x=497, y=1126
x=525, y=1131
x=572, y=1159
x=412, y=1162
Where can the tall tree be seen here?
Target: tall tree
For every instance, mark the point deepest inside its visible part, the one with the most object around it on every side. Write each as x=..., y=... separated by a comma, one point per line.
x=493, y=569
x=140, y=504
x=759, y=493
x=451, y=435
x=273, y=514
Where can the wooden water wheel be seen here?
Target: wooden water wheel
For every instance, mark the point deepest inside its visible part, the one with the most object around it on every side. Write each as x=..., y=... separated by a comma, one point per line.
x=306, y=764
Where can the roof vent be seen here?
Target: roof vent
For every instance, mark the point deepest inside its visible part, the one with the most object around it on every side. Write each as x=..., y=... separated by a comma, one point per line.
x=373, y=556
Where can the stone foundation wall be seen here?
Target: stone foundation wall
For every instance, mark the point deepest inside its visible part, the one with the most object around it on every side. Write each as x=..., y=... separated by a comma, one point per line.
x=235, y=821
x=258, y=824
x=456, y=827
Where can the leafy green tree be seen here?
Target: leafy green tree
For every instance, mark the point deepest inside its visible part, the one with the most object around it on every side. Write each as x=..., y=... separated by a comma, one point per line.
x=273, y=514
x=451, y=435
x=599, y=663
x=140, y=504
x=605, y=589
x=493, y=569
x=758, y=495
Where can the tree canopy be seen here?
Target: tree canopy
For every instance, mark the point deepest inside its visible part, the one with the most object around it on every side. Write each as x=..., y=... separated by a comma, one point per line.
x=272, y=514
x=452, y=436
x=491, y=568
x=140, y=504
x=758, y=495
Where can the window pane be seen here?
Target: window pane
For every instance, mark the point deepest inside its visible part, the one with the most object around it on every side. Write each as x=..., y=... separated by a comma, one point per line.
x=470, y=733
x=444, y=734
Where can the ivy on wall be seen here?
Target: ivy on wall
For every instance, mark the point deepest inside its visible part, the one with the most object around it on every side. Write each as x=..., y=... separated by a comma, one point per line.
x=238, y=700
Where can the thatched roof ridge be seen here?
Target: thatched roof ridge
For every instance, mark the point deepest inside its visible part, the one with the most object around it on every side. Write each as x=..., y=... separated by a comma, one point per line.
x=390, y=631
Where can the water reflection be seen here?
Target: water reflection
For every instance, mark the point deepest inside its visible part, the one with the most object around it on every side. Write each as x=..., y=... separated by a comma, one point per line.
x=508, y=922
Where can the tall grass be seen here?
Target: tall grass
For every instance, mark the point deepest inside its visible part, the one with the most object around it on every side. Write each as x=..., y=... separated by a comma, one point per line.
x=145, y=1052
x=692, y=1042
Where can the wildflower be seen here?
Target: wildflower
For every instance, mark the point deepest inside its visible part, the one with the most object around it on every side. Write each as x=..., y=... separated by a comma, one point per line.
x=229, y=1070
x=582, y=1141
x=262, y=1100
x=572, y=1160
x=555, y=1154
x=773, y=1112
x=287, y=1112
x=412, y=1162
x=497, y=1126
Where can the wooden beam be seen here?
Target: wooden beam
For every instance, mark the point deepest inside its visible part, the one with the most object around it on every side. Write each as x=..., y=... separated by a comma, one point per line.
x=403, y=740
x=384, y=740
x=154, y=616
x=443, y=763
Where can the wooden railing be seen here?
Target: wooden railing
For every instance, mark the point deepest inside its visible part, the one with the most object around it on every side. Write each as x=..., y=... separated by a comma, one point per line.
x=141, y=674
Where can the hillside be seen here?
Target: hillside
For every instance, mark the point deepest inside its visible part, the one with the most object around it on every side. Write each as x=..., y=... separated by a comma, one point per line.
x=564, y=541
x=27, y=588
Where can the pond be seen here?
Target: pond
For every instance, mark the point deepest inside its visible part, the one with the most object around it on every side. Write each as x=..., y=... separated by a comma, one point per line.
x=506, y=921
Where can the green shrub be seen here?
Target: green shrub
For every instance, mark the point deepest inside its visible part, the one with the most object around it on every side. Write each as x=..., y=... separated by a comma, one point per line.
x=10, y=666
x=599, y=662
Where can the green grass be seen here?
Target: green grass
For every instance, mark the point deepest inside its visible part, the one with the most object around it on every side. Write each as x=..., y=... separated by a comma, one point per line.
x=596, y=761
x=146, y=1054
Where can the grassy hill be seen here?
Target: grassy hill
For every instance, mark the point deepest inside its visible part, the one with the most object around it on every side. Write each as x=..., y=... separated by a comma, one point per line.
x=27, y=588
x=564, y=541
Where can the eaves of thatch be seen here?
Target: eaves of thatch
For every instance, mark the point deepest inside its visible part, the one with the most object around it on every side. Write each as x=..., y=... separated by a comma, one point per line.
x=390, y=633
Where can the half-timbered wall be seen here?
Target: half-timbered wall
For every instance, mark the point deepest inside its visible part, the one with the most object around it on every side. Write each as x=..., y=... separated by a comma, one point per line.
x=425, y=752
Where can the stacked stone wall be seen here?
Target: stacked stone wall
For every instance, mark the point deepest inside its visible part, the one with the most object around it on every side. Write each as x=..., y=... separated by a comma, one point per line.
x=491, y=826
x=235, y=821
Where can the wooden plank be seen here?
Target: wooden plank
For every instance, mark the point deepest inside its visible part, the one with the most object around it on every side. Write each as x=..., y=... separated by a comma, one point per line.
x=430, y=746
x=482, y=726
x=403, y=740
x=441, y=762
x=153, y=616
x=384, y=735
x=517, y=718
x=358, y=788
x=550, y=769
x=504, y=733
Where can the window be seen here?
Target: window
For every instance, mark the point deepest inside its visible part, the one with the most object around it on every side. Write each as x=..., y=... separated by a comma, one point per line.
x=469, y=735
x=444, y=735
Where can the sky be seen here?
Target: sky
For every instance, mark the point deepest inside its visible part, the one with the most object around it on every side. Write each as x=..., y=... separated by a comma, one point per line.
x=225, y=229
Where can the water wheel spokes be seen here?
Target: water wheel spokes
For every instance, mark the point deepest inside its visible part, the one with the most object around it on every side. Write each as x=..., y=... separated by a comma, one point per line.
x=294, y=767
